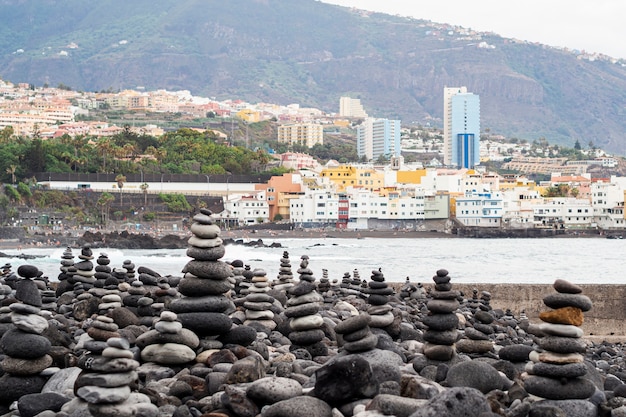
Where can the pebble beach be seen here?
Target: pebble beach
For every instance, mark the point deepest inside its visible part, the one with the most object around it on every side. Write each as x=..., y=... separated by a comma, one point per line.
x=226, y=340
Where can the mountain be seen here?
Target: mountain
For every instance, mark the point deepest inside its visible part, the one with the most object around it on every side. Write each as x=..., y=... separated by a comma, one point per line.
x=312, y=53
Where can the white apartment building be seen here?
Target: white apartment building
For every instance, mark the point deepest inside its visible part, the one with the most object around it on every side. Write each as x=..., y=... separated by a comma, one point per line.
x=480, y=208
x=562, y=212
x=351, y=107
x=607, y=199
x=315, y=207
x=247, y=209
x=518, y=207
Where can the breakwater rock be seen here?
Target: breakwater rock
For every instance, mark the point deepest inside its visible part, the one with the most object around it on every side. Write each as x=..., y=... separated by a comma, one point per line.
x=127, y=240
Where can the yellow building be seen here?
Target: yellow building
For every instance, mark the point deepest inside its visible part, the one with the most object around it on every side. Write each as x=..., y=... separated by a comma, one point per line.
x=370, y=179
x=410, y=177
x=342, y=176
x=249, y=116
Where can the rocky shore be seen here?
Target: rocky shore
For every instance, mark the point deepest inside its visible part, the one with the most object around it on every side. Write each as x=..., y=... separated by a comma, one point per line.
x=226, y=340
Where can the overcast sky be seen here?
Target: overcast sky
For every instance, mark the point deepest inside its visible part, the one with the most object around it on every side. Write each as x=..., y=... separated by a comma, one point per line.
x=590, y=25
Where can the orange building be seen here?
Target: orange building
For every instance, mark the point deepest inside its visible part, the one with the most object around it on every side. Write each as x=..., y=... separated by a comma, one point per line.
x=279, y=190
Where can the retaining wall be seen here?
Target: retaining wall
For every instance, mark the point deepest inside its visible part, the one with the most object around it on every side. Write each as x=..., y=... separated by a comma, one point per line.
x=606, y=318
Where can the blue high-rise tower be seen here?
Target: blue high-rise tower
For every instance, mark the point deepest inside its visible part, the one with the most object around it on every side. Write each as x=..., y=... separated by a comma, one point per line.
x=461, y=128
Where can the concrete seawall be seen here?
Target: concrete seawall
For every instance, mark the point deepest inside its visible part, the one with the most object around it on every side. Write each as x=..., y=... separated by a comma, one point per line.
x=606, y=318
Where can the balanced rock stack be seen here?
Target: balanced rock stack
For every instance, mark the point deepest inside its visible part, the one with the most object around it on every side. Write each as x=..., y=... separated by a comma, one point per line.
x=247, y=280
x=478, y=334
x=134, y=293
x=557, y=371
x=378, y=298
x=203, y=307
x=25, y=349
x=346, y=281
x=258, y=303
x=67, y=260
x=285, y=275
x=441, y=320
x=356, y=334
x=103, y=270
x=109, y=371
x=168, y=343
x=84, y=277
x=303, y=307
x=129, y=266
x=324, y=284
x=238, y=277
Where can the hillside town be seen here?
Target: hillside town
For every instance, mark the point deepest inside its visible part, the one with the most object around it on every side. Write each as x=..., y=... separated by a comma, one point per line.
x=455, y=188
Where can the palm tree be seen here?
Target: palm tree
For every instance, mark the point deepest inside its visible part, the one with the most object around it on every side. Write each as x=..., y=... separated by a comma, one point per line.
x=120, y=179
x=104, y=202
x=11, y=171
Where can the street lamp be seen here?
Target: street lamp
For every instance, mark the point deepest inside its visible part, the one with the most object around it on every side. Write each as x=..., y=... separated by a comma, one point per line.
x=208, y=184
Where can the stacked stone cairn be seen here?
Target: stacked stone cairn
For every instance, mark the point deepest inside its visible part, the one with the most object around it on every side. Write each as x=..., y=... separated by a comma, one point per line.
x=84, y=277
x=203, y=306
x=108, y=375
x=324, y=284
x=102, y=270
x=378, y=293
x=346, y=280
x=285, y=275
x=441, y=320
x=303, y=307
x=238, y=277
x=129, y=266
x=25, y=348
x=168, y=343
x=556, y=372
x=477, y=335
x=356, y=335
x=65, y=284
x=258, y=303
x=247, y=280
x=134, y=293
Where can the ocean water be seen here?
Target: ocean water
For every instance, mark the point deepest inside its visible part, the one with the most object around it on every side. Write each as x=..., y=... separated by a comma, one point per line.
x=523, y=261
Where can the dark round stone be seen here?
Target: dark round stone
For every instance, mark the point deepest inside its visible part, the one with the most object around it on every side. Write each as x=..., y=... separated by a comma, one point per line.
x=206, y=324
x=563, y=344
x=22, y=345
x=377, y=300
x=483, y=317
x=515, y=353
x=12, y=388
x=207, y=254
x=356, y=335
x=563, y=286
x=564, y=389
x=447, y=337
x=209, y=303
x=442, y=306
x=560, y=300
x=27, y=292
x=352, y=324
x=193, y=286
x=302, y=310
x=217, y=270
x=306, y=337
x=27, y=271
x=302, y=288
x=569, y=370
x=345, y=379
x=31, y=405
x=441, y=321
x=240, y=335
x=445, y=295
